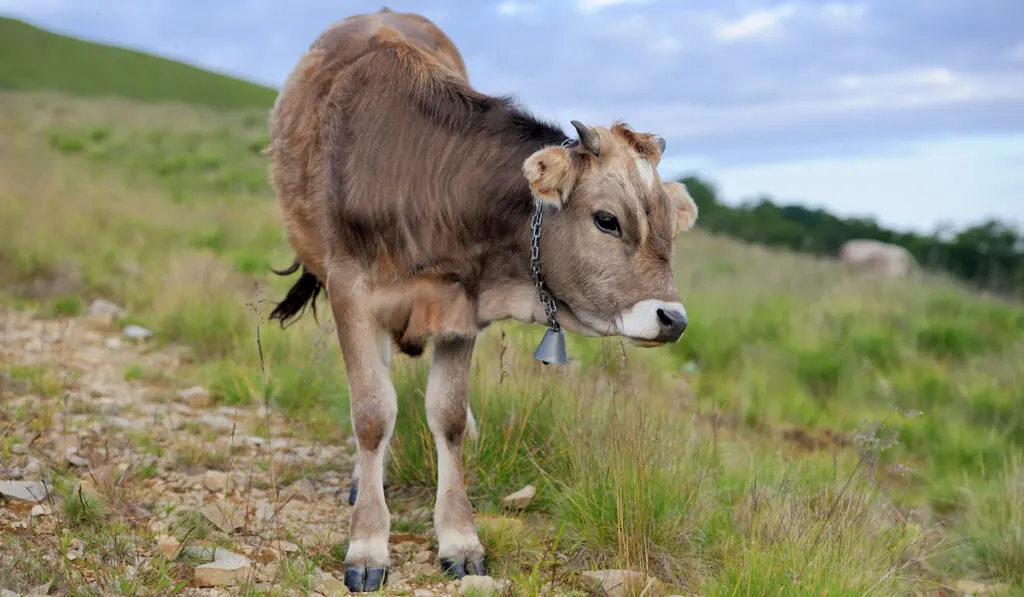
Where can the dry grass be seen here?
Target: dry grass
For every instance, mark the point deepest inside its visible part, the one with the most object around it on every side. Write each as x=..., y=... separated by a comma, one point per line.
x=678, y=462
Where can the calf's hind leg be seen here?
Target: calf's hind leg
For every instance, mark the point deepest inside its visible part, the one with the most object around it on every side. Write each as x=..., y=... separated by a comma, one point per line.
x=373, y=409
x=459, y=547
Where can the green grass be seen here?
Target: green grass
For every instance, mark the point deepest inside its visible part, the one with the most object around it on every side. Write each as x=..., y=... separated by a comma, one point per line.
x=900, y=398
x=35, y=59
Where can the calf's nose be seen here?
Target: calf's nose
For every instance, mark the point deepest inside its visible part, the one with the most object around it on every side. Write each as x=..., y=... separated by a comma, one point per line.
x=672, y=324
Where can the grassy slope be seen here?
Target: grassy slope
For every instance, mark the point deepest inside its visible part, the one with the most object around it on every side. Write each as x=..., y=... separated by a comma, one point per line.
x=812, y=432
x=674, y=460
x=35, y=59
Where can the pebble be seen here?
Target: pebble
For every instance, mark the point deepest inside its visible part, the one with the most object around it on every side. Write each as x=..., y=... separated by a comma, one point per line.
x=136, y=332
x=520, y=499
x=227, y=569
x=26, y=491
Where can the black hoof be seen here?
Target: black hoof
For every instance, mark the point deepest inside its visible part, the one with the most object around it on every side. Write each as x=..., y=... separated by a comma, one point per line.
x=364, y=580
x=477, y=566
x=375, y=579
x=460, y=567
x=354, y=578
x=453, y=568
x=353, y=491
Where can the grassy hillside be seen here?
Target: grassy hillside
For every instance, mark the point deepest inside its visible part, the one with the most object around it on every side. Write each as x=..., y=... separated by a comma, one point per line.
x=35, y=59
x=814, y=433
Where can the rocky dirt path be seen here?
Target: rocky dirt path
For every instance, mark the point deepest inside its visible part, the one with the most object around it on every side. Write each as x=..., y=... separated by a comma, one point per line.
x=113, y=471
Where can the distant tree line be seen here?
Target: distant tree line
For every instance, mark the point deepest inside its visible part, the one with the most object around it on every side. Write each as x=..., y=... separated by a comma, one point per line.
x=989, y=255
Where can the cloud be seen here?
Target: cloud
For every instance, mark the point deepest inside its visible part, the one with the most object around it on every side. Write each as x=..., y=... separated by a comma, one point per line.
x=591, y=6
x=512, y=7
x=770, y=22
x=731, y=82
x=755, y=24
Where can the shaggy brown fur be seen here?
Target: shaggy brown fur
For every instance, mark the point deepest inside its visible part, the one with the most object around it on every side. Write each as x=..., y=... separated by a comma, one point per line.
x=408, y=195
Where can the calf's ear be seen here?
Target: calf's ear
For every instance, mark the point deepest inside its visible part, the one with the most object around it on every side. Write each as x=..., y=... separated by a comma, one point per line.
x=686, y=209
x=550, y=174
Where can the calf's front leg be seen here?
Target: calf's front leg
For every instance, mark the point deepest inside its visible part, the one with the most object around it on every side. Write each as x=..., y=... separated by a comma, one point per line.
x=459, y=547
x=374, y=406
x=353, y=488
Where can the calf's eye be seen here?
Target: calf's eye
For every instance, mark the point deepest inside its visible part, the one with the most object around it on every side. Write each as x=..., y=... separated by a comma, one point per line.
x=607, y=223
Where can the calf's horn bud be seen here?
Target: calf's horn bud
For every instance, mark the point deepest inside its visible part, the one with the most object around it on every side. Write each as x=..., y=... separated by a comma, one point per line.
x=588, y=138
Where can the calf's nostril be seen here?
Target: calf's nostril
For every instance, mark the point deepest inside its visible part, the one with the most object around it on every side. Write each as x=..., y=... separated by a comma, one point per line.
x=672, y=322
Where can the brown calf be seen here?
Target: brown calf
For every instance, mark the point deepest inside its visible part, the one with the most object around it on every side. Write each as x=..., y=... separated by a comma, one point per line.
x=409, y=197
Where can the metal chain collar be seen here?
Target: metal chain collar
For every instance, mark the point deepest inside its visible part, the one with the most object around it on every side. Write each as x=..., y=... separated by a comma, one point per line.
x=538, y=216
x=538, y=282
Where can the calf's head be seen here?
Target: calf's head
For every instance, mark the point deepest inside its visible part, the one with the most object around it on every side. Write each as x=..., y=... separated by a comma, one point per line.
x=606, y=249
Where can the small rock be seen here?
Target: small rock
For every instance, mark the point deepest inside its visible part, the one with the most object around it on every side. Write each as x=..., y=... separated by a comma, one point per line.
x=136, y=332
x=26, y=491
x=422, y=593
x=215, y=481
x=302, y=489
x=423, y=557
x=168, y=546
x=104, y=311
x=227, y=569
x=971, y=587
x=329, y=585
x=221, y=517
x=39, y=510
x=616, y=583
x=33, y=470
x=479, y=585
x=43, y=589
x=76, y=460
x=217, y=422
x=285, y=546
x=268, y=555
x=520, y=499
x=196, y=397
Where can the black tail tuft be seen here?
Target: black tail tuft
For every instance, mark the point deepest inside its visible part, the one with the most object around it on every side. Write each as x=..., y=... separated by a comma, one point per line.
x=305, y=290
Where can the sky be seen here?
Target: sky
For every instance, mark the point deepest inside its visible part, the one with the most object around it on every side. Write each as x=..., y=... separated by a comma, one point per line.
x=908, y=111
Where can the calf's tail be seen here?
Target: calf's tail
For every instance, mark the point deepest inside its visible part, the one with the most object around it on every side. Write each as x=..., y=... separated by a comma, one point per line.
x=303, y=292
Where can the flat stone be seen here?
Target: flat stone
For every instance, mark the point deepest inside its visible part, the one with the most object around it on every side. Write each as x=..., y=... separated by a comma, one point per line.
x=520, y=499
x=136, y=332
x=302, y=489
x=196, y=397
x=227, y=569
x=479, y=585
x=43, y=589
x=222, y=518
x=215, y=481
x=104, y=311
x=616, y=583
x=329, y=585
x=26, y=491
x=285, y=546
x=217, y=422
